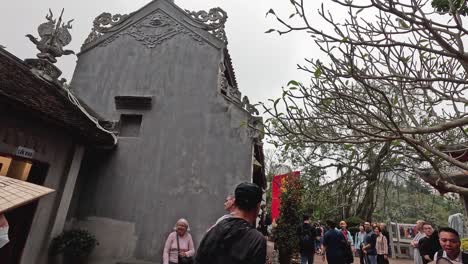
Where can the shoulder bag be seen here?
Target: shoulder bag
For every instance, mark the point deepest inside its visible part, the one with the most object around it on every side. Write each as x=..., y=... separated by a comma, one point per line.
x=182, y=260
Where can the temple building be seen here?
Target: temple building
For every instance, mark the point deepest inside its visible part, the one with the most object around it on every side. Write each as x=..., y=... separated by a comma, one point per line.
x=152, y=128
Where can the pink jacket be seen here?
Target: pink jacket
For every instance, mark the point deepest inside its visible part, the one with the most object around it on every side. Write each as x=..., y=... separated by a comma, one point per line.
x=170, y=248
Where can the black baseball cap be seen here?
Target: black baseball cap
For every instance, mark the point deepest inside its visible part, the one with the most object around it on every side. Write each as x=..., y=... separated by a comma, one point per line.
x=248, y=195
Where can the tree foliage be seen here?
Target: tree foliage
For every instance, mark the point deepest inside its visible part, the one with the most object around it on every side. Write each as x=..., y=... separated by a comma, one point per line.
x=451, y=6
x=395, y=80
x=285, y=233
x=408, y=199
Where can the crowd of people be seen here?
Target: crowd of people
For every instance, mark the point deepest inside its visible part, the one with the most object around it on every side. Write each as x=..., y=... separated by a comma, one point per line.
x=371, y=243
x=235, y=239
x=337, y=245
x=431, y=245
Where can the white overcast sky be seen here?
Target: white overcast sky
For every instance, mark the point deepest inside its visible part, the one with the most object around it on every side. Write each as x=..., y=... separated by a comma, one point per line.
x=263, y=62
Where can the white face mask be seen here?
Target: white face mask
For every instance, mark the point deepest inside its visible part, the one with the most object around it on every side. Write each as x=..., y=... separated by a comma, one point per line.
x=3, y=236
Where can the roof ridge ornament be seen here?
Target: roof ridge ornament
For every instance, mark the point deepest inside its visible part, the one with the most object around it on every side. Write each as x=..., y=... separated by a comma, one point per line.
x=213, y=21
x=105, y=23
x=54, y=37
x=245, y=104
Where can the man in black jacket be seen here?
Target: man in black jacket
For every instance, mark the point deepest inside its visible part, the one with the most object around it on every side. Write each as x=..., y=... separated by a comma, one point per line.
x=306, y=233
x=235, y=240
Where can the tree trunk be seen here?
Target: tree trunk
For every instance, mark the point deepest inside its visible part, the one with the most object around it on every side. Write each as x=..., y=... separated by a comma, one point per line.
x=366, y=207
x=349, y=202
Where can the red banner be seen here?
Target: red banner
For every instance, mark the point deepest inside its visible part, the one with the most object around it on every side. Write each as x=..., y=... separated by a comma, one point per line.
x=276, y=190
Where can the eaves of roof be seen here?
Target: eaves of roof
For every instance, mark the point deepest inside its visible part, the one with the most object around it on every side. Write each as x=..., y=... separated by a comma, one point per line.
x=44, y=100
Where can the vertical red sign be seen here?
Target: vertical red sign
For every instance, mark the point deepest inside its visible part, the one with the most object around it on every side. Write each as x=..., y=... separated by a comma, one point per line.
x=276, y=190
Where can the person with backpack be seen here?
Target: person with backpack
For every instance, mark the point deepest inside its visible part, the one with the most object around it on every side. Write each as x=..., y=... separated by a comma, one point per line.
x=306, y=233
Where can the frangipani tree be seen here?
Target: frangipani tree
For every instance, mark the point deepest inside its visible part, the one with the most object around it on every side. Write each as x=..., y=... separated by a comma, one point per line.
x=395, y=74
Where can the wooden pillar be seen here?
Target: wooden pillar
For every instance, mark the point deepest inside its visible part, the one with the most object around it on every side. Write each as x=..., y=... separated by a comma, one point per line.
x=67, y=192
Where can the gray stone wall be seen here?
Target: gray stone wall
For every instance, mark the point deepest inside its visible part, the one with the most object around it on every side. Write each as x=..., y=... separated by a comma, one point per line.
x=52, y=146
x=191, y=151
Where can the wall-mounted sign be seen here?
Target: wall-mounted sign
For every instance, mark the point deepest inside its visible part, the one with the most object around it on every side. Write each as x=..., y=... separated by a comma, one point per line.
x=25, y=152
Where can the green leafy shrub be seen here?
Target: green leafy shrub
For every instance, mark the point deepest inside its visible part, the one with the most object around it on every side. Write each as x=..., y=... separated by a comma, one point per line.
x=285, y=233
x=73, y=243
x=464, y=244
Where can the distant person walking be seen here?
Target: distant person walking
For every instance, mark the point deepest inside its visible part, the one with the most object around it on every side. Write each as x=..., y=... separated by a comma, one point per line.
x=235, y=240
x=320, y=229
x=415, y=242
x=306, y=234
x=263, y=221
x=179, y=244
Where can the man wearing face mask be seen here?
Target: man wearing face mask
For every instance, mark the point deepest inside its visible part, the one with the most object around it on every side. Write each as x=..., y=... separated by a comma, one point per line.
x=3, y=231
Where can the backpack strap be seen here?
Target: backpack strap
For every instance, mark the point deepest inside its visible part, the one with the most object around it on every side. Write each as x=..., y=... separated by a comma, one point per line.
x=440, y=254
x=464, y=257
x=178, y=247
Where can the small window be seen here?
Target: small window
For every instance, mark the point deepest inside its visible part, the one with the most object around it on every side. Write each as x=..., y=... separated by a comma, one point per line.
x=133, y=102
x=130, y=125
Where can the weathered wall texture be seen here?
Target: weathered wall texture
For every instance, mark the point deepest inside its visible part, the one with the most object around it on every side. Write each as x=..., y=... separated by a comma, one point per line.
x=192, y=149
x=52, y=146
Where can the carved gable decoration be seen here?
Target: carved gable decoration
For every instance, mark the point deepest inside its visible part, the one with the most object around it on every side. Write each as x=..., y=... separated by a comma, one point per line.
x=212, y=21
x=151, y=31
x=104, y=23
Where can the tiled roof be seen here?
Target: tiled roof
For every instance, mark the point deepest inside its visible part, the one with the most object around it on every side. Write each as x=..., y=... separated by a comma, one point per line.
x=24, y=91
x=230, y=69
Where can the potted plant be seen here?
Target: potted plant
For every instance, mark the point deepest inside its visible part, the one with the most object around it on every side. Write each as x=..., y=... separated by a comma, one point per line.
x=74, y=246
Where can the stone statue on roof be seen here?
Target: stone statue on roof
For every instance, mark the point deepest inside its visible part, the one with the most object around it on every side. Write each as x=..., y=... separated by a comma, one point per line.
x=54, y=36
